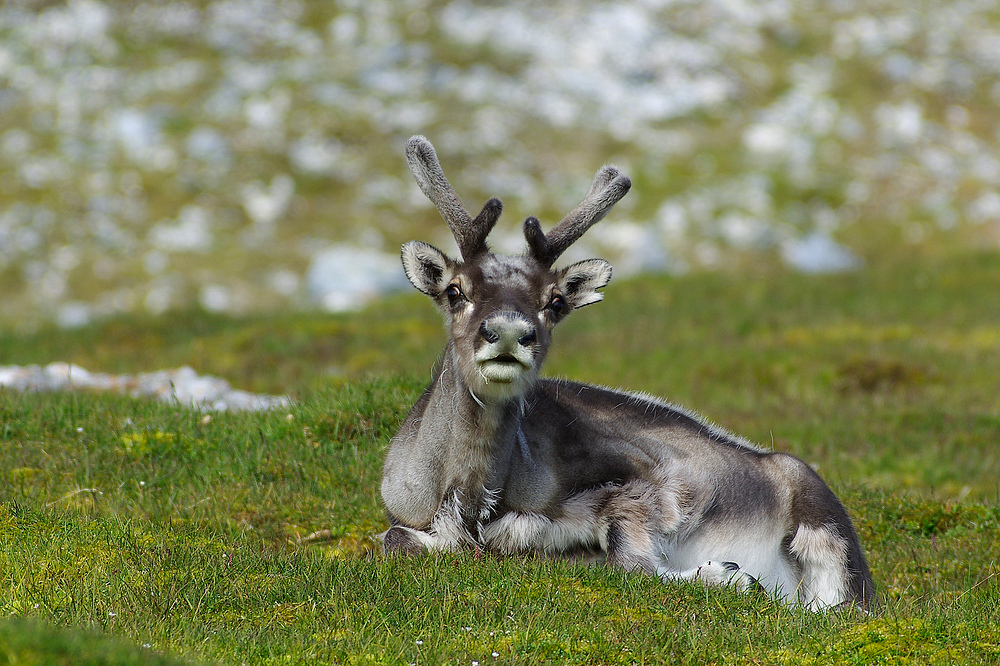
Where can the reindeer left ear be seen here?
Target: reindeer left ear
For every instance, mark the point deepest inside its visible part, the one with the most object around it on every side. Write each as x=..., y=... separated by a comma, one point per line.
x=579, y=283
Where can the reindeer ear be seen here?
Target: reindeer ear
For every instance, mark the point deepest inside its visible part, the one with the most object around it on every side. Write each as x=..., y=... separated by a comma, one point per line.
x=579, y=283
x=427, y=267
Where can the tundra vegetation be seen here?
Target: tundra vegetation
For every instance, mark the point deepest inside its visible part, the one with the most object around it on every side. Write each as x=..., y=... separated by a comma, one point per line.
x=244, y=537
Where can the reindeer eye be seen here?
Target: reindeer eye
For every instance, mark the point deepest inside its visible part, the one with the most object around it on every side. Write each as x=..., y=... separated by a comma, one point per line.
x=557, y=304
x=453, y=293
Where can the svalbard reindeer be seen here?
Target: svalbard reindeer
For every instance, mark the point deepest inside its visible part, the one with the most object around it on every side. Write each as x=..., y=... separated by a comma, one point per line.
x=491, y=457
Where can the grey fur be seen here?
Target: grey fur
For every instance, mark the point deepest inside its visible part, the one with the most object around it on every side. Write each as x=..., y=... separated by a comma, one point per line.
x=491, y=457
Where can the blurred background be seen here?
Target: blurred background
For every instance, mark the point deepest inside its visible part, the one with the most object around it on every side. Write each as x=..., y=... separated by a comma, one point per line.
x=246, y=156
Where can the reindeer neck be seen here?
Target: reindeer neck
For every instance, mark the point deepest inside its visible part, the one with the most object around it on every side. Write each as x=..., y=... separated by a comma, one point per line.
x=478, y=435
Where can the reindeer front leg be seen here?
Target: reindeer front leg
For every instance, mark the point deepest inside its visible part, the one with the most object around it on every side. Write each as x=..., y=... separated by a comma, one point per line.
x=403, y=540
x=617, y=520
x=451, y=529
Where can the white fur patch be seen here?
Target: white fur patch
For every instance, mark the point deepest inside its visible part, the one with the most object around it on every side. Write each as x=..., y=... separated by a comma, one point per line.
x=447, y=530
x=518, y=532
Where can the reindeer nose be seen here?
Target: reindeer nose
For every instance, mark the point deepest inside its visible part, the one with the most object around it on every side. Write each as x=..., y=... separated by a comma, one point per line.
x=508, y=329
x=488, y=334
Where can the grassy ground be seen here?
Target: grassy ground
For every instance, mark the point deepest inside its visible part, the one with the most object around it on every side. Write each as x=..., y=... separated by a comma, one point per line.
x=248, y=538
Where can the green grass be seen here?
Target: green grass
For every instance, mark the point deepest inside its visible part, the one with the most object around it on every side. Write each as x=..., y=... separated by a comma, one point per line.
x=249, y=538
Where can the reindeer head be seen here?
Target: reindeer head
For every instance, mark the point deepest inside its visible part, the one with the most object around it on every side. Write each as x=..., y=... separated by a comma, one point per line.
x=500, y=309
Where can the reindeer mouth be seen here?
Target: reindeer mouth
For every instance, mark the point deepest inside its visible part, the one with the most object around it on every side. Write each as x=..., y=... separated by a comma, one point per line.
x=505, y=358
x=502, y=369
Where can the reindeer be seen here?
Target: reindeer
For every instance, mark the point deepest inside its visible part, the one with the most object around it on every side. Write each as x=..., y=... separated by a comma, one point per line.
x=491, y=457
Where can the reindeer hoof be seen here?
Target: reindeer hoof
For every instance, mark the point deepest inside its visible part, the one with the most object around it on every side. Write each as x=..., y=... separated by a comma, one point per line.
x=399, y=540
x=727, y=573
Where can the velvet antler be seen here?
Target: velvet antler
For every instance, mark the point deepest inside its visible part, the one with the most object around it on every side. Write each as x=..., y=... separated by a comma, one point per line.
x=609, y=186
x=470, y=234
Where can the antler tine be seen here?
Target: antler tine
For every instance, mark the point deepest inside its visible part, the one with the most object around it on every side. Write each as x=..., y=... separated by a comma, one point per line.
x=469, y=234
x=609, y=186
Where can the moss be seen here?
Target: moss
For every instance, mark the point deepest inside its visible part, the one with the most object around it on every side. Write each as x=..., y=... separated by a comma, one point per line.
x=901, y=641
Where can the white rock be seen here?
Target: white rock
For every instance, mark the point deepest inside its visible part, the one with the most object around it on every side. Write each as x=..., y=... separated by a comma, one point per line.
x=818, y=253
x=183, y=386
x=192, y=231
x=265, y=205
x=344, y=277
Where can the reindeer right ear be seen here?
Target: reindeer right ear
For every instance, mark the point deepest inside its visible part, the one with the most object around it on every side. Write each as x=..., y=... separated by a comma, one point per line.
x=427, y=268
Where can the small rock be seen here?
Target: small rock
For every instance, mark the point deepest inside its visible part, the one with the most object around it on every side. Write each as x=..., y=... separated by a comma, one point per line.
x=183, y=386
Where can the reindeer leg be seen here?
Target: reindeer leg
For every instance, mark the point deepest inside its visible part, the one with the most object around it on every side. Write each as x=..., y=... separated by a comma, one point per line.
x=637, y=516
x=629, y=546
